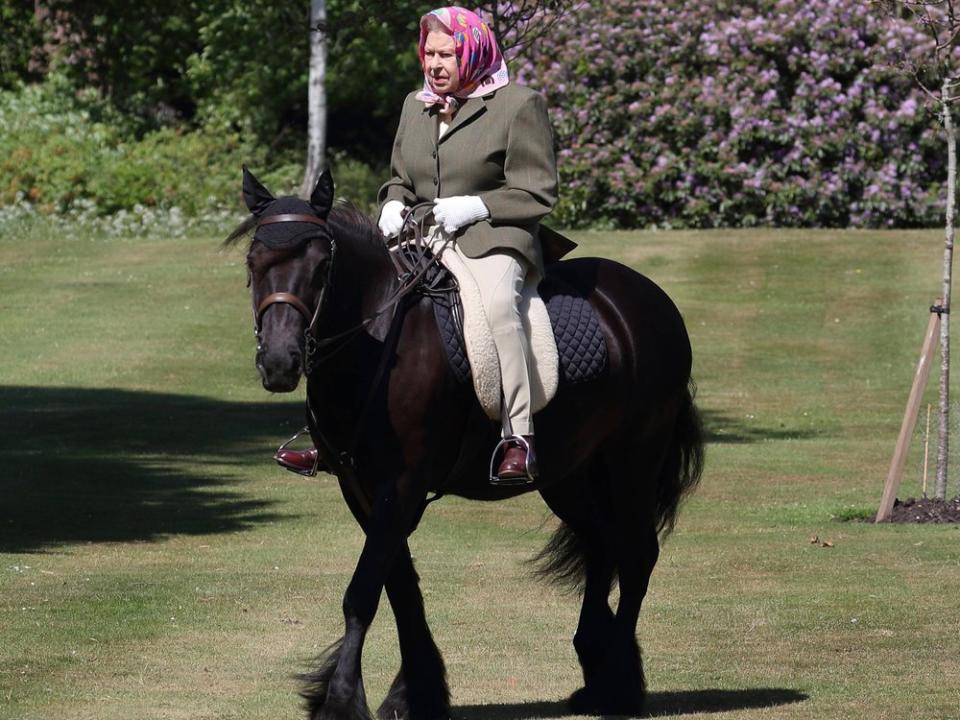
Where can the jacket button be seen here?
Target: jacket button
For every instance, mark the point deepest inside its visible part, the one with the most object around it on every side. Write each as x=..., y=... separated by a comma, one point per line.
x=434, y=154
x=436, y=181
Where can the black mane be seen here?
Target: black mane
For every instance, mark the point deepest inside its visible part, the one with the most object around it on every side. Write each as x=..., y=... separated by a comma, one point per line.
x=347, y=220
x=242, y=230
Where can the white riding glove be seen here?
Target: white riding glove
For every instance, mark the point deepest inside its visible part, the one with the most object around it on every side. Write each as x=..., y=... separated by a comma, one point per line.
x=456, y=212
x=391, y=218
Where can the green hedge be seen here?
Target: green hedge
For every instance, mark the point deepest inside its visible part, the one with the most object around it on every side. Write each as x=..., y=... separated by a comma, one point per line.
x=61, y=151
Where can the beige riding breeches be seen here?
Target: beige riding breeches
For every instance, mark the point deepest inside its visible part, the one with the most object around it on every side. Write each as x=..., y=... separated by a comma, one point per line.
x=500, y=277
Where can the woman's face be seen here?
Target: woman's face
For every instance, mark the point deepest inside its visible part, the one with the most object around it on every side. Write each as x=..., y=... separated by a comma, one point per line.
x=440, y=62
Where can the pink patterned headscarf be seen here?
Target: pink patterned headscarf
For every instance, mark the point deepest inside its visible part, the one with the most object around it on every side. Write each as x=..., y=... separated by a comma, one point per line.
x=481, y=64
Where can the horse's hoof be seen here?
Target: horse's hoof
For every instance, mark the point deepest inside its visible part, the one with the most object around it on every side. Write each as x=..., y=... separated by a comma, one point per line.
x=587, y=701
x=583, y=702
x=402, y=712
x=397, y=705
x=393, y=711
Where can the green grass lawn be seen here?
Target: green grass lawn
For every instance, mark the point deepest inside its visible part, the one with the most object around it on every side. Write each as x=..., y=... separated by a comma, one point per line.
x=154, y=563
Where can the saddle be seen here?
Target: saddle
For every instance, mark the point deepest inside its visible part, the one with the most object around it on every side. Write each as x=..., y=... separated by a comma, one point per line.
x=566, y=340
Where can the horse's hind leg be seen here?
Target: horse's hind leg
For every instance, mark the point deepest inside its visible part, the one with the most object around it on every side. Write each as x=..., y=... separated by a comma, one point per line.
x=420, y=688
x=623, y=667
x=595, y=629
x=581, y=551
x=609, y=516
x=621, y=683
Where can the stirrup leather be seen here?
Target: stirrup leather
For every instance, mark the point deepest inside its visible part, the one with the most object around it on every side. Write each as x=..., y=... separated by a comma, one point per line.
x=497, y=457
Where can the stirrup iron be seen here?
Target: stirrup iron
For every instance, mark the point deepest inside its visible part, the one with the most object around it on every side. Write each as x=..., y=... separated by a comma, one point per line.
x=498, y=455
x=316, y=462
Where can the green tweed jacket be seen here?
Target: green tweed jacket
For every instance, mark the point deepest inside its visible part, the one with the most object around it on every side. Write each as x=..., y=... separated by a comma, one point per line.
x=499, y=147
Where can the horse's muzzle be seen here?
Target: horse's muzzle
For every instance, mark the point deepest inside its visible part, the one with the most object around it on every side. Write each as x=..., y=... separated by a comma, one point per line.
x=280, y=368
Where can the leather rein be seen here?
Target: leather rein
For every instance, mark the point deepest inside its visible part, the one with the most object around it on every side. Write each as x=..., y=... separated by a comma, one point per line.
x=411, y=265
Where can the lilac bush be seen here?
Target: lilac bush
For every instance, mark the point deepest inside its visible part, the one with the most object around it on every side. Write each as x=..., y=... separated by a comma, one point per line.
x=760, y=112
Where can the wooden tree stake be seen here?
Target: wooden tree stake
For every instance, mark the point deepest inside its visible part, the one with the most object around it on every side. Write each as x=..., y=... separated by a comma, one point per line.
x=926, y=451
x=895, y=473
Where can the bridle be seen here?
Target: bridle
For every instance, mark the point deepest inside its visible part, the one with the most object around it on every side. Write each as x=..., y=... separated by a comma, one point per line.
x=410, y=270
x=288, y=298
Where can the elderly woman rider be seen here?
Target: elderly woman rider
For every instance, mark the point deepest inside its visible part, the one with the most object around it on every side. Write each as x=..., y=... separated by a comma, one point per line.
x=481, y=148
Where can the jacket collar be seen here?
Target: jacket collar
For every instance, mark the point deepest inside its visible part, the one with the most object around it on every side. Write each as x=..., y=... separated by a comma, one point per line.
x=470, y=108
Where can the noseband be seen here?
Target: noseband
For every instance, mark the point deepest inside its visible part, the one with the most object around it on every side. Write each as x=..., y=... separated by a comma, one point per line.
x=284, y=298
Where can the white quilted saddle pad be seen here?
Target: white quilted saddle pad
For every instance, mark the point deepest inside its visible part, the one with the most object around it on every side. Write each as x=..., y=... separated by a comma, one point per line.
x=478, y=339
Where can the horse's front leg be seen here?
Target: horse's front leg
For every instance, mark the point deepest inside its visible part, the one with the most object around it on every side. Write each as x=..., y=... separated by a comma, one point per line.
x=419, y=691
x=335, y=690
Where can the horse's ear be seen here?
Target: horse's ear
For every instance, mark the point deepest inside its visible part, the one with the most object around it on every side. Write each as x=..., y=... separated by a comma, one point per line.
x=321, y=199
x=255, y=195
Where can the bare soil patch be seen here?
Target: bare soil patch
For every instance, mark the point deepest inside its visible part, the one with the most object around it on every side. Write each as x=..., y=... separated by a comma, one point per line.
x=926, y=510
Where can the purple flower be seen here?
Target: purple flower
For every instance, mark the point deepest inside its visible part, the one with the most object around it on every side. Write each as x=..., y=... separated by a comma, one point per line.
x=785, y=111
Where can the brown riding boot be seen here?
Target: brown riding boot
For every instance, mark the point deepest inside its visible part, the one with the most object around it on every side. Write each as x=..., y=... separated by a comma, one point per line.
x=303, y=462
x=519, y=464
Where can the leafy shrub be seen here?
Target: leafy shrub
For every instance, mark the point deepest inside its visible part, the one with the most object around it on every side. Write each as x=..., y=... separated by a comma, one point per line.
x=50, y=144
x=358, y=182
x=21, y=34
x=765, y=112
x=133, y=53
x=66, y=153
x=54, y=154
x=192, y=170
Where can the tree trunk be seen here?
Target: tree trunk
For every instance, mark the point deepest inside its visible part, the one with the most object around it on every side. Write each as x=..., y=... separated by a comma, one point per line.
x=943, y=445
x=316, y=98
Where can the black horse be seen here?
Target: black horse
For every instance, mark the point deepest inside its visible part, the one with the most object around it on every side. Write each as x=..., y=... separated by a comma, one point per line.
x=393, y=423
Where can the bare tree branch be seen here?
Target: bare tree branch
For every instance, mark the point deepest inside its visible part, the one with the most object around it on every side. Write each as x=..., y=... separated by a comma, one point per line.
x=519, y=24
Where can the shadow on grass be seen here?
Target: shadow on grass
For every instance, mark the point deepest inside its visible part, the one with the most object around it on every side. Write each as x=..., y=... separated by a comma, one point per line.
x=721, y=428
x=95, y=465
x=659, y=704
x=89, y=465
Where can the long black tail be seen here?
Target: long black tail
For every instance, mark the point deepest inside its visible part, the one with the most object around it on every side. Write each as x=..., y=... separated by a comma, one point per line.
x=563, y=560
x=683, y=464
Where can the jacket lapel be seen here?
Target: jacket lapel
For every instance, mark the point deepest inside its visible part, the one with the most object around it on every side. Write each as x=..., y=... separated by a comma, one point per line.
x=470, y=109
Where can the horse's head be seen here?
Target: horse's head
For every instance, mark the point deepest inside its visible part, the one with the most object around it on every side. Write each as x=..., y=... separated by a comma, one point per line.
x=288, y=262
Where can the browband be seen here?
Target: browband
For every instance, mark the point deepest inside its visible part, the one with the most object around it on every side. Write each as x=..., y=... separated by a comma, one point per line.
x=291, y=217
